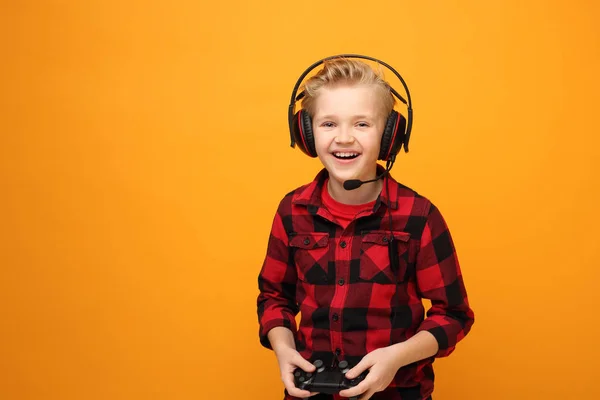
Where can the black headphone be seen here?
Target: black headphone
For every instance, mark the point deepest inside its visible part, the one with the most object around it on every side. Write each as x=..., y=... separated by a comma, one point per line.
x=397, y=128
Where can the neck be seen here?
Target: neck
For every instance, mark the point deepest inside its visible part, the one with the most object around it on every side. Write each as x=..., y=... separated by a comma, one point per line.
x=364, y=194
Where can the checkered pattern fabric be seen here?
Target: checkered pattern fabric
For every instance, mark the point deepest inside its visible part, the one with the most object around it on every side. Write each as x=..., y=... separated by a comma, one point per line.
x=351, y=300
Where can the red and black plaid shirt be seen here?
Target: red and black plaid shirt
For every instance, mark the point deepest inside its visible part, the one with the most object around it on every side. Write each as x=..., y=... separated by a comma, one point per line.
x=350, y=298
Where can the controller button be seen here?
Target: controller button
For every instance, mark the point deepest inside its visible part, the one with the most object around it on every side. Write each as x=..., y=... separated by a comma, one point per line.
x=343, y=364
x=297, y=374
x=318, y=363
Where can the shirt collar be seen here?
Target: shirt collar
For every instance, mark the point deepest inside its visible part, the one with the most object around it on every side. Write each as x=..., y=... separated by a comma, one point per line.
x=310, y=195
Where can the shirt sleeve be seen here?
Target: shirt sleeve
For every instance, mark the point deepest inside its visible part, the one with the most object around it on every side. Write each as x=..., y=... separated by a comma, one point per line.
x=276, y=301
x=440, y=280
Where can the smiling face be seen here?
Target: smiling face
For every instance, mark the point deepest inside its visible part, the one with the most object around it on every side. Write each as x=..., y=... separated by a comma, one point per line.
x=347, y=126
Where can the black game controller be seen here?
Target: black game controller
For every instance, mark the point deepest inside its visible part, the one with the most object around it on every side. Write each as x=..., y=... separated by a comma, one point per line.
x=327, y=380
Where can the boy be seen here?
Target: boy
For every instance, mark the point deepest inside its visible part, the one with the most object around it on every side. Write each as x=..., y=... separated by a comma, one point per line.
x=356, y=260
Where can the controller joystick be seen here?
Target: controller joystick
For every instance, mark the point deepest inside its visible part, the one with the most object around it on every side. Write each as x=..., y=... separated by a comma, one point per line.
x=319, y=365
x=343, y=366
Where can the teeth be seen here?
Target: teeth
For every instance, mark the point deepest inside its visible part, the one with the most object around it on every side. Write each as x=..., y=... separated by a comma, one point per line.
x=345, y=154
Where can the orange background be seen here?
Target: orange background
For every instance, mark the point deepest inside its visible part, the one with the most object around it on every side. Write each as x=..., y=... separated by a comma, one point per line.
x=144, y=149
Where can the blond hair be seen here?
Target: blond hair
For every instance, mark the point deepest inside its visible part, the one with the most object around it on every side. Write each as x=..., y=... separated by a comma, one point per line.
x=344, y=71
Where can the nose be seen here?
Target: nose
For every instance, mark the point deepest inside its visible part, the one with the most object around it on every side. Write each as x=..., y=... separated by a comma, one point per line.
x=344, y=135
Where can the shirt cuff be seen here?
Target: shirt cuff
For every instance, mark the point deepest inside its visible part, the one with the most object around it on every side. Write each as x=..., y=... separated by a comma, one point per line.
x=440, y=335
x=268, y=325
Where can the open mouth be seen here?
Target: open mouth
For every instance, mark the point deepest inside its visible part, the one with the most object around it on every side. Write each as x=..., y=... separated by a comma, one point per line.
x=345, y=155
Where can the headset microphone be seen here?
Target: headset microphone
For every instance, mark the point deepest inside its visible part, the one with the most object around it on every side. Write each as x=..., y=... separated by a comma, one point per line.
x=352, y=184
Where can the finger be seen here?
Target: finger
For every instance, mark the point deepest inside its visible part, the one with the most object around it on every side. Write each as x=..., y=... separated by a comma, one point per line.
x=288, y=382
x=359, y=368
x=356, y=390
x=303, y=394
x=300, y=362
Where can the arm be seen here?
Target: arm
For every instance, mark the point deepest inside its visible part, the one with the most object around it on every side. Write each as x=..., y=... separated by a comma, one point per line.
x=277, y=307
x=418, y=347
x=276, y=304
x=439, y=279
x=281, y=338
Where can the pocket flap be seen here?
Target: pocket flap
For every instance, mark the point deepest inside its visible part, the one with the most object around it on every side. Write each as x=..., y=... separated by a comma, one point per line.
x=383, y=237
x=309, y=240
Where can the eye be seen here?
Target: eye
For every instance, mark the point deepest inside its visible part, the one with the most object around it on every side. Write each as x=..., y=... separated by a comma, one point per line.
x=327, y=124
x=363, y=124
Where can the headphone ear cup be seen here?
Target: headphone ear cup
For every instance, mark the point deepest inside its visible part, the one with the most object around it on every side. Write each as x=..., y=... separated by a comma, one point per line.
x=302, y=133
x=388, y=133
x=307, y=130
x=393, y=136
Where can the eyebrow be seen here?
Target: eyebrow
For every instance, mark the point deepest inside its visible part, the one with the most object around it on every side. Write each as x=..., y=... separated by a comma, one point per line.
x=354, y=116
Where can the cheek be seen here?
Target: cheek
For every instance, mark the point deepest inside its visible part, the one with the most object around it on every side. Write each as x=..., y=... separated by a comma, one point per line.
x=372, y=145
x=321, y=142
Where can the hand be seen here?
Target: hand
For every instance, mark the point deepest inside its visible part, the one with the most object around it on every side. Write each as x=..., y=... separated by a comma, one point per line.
x=382, y=365
x=288, y=359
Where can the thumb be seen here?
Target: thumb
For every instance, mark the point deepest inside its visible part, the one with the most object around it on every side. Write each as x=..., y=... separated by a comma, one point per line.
x=358, y=369
x=303, y=363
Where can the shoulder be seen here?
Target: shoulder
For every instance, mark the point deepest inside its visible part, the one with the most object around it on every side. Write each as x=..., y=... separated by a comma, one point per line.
x=421, y=212
x=289, y=199
x=411, y=201
x=293, y=212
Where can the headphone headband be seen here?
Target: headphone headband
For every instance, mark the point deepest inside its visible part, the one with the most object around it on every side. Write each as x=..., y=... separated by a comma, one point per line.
x=295, y=98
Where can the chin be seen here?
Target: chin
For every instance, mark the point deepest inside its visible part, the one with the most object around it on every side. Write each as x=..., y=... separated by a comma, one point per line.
x=342, y=176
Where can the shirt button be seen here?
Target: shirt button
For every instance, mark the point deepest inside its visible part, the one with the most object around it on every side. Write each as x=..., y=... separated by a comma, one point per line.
x=343, y=244
x=335, y=317
x=306, y=241
x=341, y=282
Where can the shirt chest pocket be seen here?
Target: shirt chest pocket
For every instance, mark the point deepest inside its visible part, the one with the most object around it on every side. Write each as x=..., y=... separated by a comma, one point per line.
x=311, y=256
x=376, y=254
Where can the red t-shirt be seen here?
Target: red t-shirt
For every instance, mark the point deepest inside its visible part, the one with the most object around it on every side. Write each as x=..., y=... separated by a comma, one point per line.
x=343, y=213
